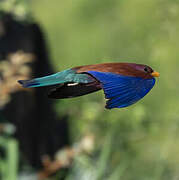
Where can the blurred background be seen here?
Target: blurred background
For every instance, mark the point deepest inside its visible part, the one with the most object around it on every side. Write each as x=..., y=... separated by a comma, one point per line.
x=77, y=139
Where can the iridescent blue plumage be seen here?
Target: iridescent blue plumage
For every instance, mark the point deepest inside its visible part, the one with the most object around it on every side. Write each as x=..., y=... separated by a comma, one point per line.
x=122, y=90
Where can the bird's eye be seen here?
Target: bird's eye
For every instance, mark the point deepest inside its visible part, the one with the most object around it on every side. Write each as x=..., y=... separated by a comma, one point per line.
x=146, y=69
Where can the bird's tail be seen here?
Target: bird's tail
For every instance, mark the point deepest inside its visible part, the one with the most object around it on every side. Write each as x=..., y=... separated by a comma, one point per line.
x=43, y=81
x=68, y=75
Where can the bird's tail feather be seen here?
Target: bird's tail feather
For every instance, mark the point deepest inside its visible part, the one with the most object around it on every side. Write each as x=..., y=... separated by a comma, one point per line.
x=68, y=75
x=43, y=81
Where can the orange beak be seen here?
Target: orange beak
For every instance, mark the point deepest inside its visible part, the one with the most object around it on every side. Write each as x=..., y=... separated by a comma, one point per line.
x=155, y=74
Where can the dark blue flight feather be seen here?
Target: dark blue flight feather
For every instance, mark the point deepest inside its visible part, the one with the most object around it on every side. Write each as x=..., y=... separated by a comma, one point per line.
x=122, y=90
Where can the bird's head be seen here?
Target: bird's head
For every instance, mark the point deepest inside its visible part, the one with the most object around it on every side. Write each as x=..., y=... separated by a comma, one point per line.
x=141, y=70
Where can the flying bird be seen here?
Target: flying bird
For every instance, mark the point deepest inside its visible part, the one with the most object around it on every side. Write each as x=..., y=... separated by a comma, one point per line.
x=123, y=83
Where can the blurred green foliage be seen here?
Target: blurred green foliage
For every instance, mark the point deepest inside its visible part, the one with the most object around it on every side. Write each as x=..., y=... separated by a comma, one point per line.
x=144, y=142
x=18, y=8
x=141, y=141
x=8, y=163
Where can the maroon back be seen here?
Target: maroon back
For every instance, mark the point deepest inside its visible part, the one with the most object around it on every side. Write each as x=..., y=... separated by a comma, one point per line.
x=126, y=69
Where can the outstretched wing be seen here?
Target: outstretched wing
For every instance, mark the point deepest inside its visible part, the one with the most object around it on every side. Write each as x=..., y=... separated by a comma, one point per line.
x=122, y=91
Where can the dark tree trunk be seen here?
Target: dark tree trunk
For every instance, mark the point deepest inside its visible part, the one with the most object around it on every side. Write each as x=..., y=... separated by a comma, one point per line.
x=39, y=131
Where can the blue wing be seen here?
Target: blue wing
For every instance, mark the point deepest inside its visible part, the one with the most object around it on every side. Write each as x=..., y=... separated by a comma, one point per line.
x=122, y=91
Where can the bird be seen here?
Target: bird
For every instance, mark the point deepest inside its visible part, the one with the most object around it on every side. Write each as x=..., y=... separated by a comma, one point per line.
x=123, y=83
